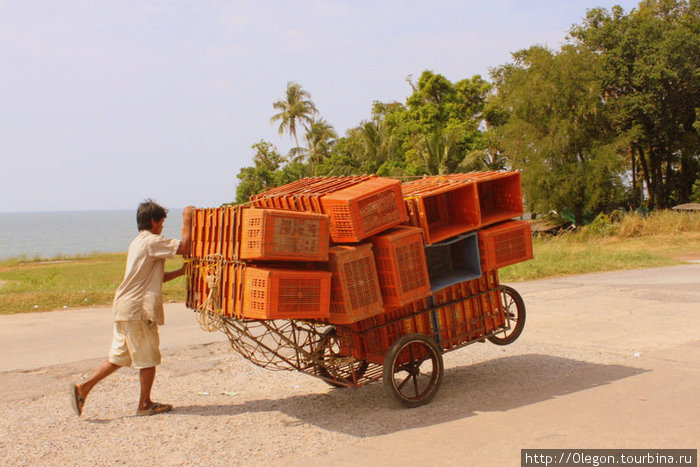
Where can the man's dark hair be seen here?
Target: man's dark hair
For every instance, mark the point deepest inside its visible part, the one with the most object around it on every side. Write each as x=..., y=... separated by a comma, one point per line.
x=149, y=211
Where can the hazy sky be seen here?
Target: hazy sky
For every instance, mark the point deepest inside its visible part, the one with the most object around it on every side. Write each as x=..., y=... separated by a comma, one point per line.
x=106, y=102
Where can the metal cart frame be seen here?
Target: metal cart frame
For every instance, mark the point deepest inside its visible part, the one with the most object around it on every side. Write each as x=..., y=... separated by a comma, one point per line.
x=411, y=367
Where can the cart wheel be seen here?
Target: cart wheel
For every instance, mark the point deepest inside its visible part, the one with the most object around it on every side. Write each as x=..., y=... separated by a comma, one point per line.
x=413, y=370
x=514, y=308
x=327, y=350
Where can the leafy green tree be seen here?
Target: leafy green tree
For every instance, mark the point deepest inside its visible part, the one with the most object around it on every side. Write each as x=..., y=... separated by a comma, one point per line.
x=555, y=130
x=649, y=69
x=263, y=175
x=433, y=132
x=296, y=108
x=440, y=127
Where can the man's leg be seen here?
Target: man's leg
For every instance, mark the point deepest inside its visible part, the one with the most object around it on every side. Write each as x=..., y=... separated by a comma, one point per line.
x=147, y=376
x=80, y=391
x=104, y=370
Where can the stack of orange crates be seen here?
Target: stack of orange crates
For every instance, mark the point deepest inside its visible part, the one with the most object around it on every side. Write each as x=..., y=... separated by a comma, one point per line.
x=375, y=257
x=359, y=207
x=212, y=240
x=255, y=263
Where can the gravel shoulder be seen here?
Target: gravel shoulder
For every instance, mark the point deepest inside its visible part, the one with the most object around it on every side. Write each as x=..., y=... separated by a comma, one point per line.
x=606, y=361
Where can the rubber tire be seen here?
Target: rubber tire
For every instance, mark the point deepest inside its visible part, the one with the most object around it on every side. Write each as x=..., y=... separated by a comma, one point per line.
x=515, y=331
x=434, y=355
x=328, y=335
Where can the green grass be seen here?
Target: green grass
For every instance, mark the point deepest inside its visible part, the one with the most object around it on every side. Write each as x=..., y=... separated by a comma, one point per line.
x=42, y=285
x=609, y=243
x=627, y=242
x=560, y=258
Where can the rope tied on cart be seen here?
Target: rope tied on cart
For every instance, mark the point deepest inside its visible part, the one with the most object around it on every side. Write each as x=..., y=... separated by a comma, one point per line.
x=209, y=313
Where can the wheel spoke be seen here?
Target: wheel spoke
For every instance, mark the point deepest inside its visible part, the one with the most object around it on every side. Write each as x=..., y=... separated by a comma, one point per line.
x=403, y=383
x=415, y=385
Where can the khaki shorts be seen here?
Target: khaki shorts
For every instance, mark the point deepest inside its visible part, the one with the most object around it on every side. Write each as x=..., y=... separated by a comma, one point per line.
x=135, y=344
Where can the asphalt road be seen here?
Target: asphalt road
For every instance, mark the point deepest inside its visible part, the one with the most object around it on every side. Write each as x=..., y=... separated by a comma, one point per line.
x=607, y=360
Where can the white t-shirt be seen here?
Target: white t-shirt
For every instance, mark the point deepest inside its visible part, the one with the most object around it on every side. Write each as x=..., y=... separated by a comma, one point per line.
x=140, y=295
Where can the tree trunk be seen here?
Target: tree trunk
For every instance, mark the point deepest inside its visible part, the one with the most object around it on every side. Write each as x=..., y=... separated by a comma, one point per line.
x=578, y=215
x=645, y=171
x=688, y=175
x=656, y=178
x=633, y=160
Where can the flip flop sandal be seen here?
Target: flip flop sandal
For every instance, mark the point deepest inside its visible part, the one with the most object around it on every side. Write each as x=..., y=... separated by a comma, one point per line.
x=155, y=409
x=76, y=399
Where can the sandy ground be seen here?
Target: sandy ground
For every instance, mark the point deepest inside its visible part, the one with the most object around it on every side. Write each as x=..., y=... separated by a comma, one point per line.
x=606, y=361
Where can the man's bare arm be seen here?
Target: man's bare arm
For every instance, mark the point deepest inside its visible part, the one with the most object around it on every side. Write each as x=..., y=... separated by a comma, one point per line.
x=170, y=275
x=186, y=239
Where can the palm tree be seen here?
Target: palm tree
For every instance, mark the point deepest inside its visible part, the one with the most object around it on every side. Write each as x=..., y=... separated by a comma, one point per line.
x=296, y=107
x=377, y=143
x=320, y=139
x=438, y=150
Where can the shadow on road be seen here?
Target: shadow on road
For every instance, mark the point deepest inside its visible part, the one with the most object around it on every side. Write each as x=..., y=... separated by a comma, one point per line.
x=497, y=385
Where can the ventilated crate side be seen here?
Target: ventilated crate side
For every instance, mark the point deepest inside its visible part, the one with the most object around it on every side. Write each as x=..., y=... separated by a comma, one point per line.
x=395, y=323
x=228, y=290
x=198, y=233
x=401, y=265
x=412, y=212
x=500, y=197
x=364, y=209
x=445, y=318
x=390, y=326
x=505, y=244
x=192, y=281
x=355, y=292
x=227, y=238
x=351, y=335
x=285, y=293
x=208, y=231
x=371, y=338
x=487, y=300
x=459, y=320
x=491, y=302
x=276, y=235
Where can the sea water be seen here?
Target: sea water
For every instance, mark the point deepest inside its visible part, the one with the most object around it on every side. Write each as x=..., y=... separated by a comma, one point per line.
x=68, y=233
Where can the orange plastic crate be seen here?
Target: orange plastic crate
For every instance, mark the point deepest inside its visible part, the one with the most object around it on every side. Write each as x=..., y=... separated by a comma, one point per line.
x=500, y=197
x=276, y=235
x=266, y=293
x=505, y=244
x=364, y=209
x=443, y=210
x=355, y=292
x=401, y=266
